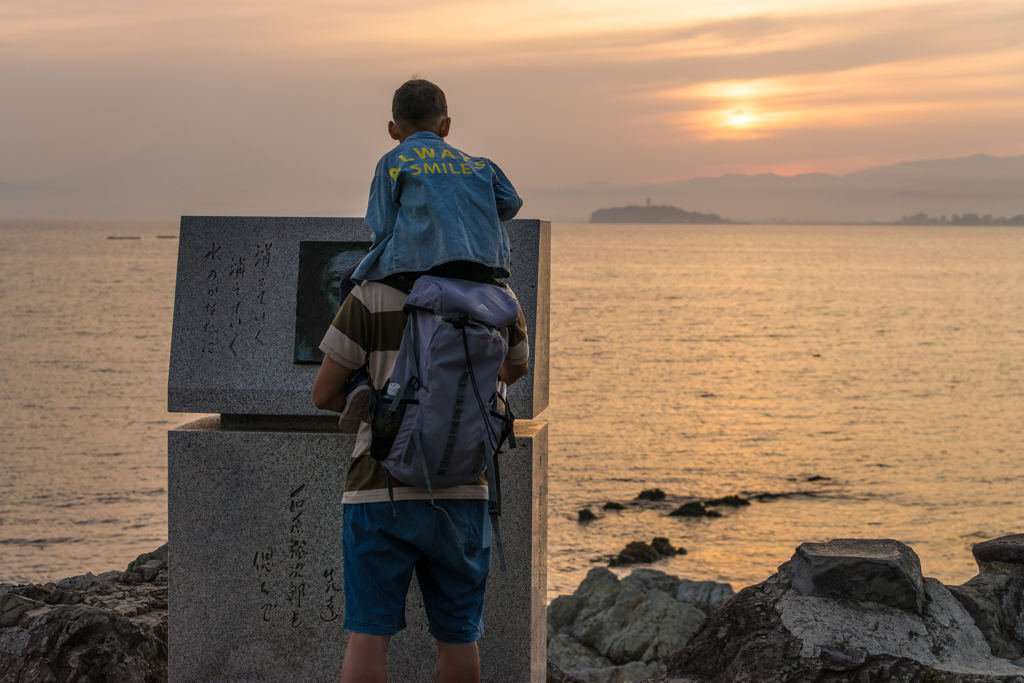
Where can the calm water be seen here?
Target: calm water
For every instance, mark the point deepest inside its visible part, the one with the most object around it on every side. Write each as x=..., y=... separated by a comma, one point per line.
x=703, y=360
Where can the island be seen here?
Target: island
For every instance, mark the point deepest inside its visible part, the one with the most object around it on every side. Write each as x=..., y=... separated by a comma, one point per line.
x=960, y=219
x=653, y=214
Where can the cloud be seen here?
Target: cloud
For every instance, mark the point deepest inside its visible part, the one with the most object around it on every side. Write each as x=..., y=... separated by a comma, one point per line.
x=560, y=91
x=878, y=95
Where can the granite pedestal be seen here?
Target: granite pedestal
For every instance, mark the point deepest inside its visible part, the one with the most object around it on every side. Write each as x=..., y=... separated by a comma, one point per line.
x=255, y=591
x=254, y=494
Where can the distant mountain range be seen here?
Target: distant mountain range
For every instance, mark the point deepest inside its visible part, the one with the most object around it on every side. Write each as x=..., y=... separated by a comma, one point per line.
x=199, y=172
x=979, y=184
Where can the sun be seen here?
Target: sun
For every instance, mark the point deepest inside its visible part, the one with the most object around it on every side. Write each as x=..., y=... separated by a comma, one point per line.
x=741, y=120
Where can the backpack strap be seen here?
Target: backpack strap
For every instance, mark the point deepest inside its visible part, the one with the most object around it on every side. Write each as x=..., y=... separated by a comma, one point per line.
x=391, y=489
x=412, y=370
x=494, y=501
x=453, y=432
x=417, y=446
x=508, y=421
x=493, y=476
x=491, y=436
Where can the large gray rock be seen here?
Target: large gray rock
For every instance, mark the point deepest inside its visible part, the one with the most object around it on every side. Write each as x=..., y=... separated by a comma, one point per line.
x=86, y=629
x=147, y=568
x=774, y=633
x=556, y=675
x=707, y=596
x=1005, y=549
x=612, y=631
x=995, y=597
x=882, y=571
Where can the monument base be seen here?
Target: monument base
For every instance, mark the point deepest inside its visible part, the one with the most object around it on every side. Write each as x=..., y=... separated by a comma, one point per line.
x=255, y=575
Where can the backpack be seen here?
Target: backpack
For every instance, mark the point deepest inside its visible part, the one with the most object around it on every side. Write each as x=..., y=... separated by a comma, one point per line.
x=444, y=418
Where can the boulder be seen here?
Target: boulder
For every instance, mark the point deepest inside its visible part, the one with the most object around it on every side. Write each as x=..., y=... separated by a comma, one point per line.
x=728, y=501
x=563, y=648
x=639, y=552
x=1005, y=549
x=586, y=515
x=556, y=675
x=615, y=631
x=883, y=571
x=995, y=597
x=147, y=568
x=665, y=549
x=612, y=505
x=707, y=596
x=651, y=494
x=777, y=632
x=87, y=628
x=636, y=552
x=694, y=509
x=769, y=497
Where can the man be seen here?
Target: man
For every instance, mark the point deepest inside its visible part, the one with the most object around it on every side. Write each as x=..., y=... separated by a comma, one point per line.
x=384, y=542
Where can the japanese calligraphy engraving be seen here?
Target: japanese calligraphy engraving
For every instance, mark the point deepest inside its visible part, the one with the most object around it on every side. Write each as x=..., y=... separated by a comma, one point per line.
x=211, y=328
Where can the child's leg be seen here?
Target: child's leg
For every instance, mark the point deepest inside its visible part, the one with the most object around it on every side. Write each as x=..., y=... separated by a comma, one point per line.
x=457, y=663
x=365, y=659
x=347, y=285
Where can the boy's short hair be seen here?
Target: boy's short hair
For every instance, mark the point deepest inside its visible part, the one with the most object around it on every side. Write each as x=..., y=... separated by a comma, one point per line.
x=418, y=101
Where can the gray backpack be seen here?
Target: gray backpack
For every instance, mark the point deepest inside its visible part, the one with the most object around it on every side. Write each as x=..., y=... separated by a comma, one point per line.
x=444, y=418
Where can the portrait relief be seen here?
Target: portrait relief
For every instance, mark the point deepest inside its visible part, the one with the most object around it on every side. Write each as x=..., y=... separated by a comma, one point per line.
x=321, y=266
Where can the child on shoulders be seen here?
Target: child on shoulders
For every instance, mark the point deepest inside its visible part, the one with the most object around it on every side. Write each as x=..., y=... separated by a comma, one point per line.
x=434, y=209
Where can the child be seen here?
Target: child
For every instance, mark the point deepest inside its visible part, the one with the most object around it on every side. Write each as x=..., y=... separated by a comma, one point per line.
x=432, y=208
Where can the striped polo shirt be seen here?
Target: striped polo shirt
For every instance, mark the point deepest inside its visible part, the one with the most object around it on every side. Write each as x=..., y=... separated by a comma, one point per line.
x=368, y=330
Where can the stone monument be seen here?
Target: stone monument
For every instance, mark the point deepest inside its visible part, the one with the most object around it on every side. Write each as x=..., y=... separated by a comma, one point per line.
x=254, y=493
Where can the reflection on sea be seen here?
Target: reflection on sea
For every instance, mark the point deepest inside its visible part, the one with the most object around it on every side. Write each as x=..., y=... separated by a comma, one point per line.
x=702, y=360
x=717, y=360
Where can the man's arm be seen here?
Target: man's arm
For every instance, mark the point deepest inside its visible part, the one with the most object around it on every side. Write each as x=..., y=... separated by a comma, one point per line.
x=516, y=363
x=509, y=373
x=329, y=386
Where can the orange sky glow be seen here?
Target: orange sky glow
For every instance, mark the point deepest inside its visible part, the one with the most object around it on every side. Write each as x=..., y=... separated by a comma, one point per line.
x=562, y=92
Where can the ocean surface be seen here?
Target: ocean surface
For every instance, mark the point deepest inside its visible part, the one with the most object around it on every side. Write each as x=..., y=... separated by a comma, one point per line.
x=870, y=378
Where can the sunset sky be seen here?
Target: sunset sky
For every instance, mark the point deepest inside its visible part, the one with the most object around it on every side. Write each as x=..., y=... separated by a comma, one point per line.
x=558, y=92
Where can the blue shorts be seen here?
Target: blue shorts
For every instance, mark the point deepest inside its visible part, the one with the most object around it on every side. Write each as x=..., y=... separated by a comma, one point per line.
x=381, y=549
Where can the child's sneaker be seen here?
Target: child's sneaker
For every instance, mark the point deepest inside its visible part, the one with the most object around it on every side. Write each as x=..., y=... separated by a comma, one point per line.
x=356, y=401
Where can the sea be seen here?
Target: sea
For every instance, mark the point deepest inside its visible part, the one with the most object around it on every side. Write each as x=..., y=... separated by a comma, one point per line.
x=849, y=381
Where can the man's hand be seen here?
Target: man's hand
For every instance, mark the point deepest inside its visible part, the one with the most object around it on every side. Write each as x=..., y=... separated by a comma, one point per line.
x=329, y=386
x=510, y=372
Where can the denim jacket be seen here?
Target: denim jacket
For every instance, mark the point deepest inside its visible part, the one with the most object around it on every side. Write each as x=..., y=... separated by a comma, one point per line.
x=430, y=203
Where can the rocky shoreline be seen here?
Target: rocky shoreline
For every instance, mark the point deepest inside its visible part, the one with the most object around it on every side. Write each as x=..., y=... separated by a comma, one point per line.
x=846, y=611
x=110, y=628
